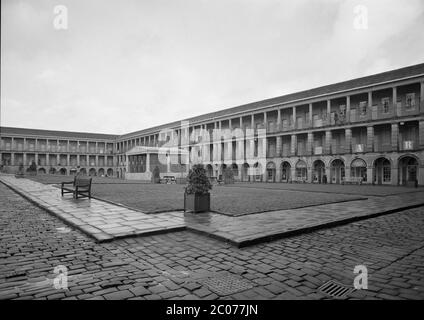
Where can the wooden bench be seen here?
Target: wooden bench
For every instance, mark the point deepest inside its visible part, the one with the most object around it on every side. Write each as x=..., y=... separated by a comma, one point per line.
x=168, y=180
x=80, y=186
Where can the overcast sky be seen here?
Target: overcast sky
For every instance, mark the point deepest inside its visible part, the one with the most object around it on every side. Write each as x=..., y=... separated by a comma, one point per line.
x=122, y=66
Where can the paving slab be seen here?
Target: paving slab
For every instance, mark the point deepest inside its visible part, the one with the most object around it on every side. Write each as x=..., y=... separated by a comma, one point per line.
x=106, y=221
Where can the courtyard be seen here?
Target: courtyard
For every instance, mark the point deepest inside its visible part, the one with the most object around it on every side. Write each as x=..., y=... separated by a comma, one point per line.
x=232, y=199
x=185, y=265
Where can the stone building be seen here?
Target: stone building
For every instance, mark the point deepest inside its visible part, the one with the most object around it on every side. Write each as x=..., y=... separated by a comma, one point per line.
x=366, y=130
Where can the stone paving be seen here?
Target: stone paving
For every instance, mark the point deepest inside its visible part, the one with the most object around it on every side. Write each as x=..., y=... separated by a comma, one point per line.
x=105, y=221
x=102, y=220
x=176, y=265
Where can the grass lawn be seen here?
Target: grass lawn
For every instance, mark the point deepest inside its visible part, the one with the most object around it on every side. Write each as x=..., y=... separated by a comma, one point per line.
x=236, y=199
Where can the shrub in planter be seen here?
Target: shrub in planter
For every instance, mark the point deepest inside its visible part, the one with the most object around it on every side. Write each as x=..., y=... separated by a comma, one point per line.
x=228, y=176
x=156, y=175
x=196, y=195
x=32, y=170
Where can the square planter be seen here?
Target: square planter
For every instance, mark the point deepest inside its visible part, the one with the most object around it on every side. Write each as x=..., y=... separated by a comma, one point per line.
x=197, y=202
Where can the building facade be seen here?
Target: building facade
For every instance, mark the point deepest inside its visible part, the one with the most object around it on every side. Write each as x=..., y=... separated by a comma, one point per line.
x=367, y=130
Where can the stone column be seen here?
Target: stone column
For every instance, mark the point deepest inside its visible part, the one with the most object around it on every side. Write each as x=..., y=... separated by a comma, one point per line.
x=370, y=177
x=58, y=159
x=394, y=174
x=329, y=112
x=422, y=97
x=68, y=163
x=395, y=136
x=347, y=171
x=147, y=162
x=310, y=143
x=370, y=139
x=369, y=104
x=328, y=138
x=278, y=146
x=294, y=118
x=311, y=119
x=394, y=104
x=348, y=140
x=421, y=133
x=348, y=109
x=265, y=122
x=278, y=120
x=293, y=145
x=252, y=121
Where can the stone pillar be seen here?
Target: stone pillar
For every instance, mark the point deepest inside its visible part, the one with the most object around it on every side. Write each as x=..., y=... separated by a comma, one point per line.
x=369, y=104
x=395, y=174
x=293, y=145
x=57, y=159
x=147, y=162
x=36, y=158
x=348, y=109
x=278, y=146
x=229, y=155
x=347, y=172
x=265, y=121
x=294, y=118
x=68, y=163
x=370, y=139
x=394, y=98
x=422, y=96
x=348, y=140
x=252, y=148
x=309, y=143
x=395, y=136
x=329, y=112
x=421, y=133
x=370, y=177
x=278, y=120
x=252, y=121
x=97, y=161
x=311, y=119
x=78, y=160
x=328, y=138
x=309, y=174
x=12, y=159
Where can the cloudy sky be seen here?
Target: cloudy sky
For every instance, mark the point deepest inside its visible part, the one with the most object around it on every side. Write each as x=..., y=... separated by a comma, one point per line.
x=122, y=66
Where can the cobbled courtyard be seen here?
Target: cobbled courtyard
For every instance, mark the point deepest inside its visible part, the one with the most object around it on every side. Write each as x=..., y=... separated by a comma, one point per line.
x=180, y=265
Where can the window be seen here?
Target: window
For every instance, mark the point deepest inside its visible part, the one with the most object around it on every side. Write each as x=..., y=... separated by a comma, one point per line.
x=385, y=102
x=386, y=173
x=363, y=108
x=410, y=101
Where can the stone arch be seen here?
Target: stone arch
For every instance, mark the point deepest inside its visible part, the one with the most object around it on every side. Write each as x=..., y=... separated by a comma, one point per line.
x=109, y=172
x=318, y=171
x=285, y=171
x=83, y=171
x=337, y=170
x=270, y=171
x=63, y=171
x=301, y=171
x=92, y=172
x=358, y=170
x=409, y=166
x=101, y=172
x=41, y=171
x=382, y=170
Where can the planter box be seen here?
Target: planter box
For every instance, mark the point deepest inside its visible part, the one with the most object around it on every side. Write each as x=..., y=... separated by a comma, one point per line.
x=197, y=203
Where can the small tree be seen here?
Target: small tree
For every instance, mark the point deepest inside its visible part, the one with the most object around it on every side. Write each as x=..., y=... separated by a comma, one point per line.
x=197, y=181
x=33, y=168
x=156, y=175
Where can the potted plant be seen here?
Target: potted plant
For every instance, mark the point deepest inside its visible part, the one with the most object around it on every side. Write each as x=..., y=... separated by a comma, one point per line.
x=156, y=175
x=32, y=169
x=196, y=195
x=20, y=173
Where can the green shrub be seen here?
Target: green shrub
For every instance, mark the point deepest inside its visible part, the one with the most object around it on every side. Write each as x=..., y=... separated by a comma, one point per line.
x=197, y=181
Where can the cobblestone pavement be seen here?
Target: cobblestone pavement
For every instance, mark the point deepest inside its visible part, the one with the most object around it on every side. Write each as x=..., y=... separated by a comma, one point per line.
x=105, y=221
x=184, y=265
x=102, y=220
